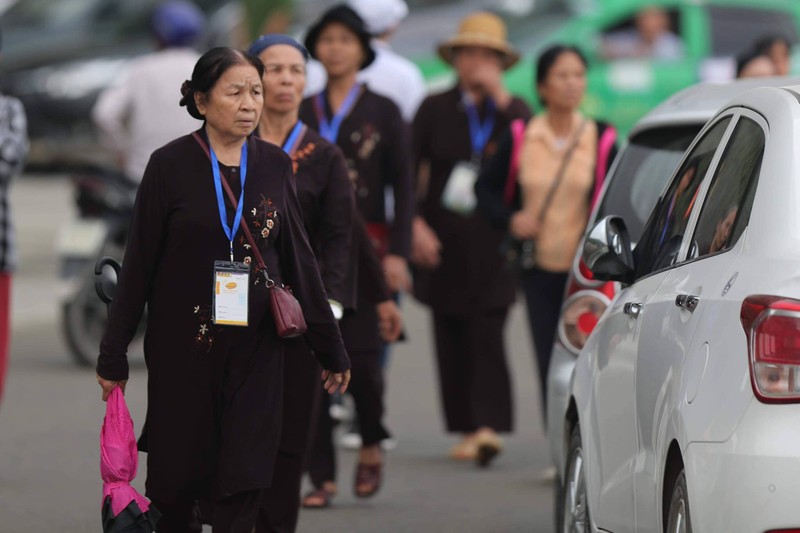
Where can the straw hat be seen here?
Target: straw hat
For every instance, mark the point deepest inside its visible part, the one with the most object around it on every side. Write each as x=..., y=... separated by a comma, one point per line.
x=482, y=29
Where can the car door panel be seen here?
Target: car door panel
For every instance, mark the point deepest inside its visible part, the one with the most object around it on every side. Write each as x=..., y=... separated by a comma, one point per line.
x=613, y=425
x=694, y=287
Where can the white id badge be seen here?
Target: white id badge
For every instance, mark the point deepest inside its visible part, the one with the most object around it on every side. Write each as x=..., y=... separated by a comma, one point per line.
x=231, y=288
x=459, y=192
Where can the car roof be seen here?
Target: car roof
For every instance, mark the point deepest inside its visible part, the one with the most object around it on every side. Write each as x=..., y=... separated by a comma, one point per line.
x=698, y=103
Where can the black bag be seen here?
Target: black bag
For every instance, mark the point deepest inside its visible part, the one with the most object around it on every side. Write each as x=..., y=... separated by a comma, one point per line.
x=521, y=254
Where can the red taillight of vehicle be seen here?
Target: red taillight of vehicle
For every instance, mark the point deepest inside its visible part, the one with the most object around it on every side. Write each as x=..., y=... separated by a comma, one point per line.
x=790, y=530
x=584, y=270
x=772, y=326
x=579, y=316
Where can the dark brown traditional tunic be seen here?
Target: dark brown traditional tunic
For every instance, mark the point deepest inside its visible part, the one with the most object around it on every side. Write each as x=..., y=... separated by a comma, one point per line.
x=214, y=392
x=326, y=198
x=471, y=274
x=375, y=142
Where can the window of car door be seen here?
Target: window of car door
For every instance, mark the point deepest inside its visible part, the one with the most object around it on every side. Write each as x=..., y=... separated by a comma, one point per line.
x=729, y=200
x=663, y=234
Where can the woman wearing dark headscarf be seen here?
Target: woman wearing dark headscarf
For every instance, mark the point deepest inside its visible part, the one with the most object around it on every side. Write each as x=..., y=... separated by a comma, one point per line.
x=346, y=260
x=214, y=357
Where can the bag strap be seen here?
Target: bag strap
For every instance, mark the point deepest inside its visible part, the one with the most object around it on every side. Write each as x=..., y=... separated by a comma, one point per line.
x=607, y=140
x=234, y=201
x=517, y=134
x=561, y=171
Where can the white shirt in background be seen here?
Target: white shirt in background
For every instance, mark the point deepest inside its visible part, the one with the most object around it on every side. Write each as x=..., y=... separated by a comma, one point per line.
x=390, y=75
x=395, y=77
x=141, y=113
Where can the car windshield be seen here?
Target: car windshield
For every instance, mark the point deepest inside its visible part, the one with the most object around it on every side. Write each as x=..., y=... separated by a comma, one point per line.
x=645, y=166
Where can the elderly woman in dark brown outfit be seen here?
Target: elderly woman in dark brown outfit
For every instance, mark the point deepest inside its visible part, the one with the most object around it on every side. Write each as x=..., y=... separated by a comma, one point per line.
x=344, y=254
x=215, y=391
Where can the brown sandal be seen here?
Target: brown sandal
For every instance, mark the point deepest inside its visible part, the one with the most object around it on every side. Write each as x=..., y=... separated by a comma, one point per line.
x=321, y=494
x=369, y=476
x=489, y=446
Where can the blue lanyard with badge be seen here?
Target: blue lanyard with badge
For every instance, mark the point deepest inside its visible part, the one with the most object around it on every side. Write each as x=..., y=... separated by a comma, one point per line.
x=329, y=130
x=231, y=278
x=459, y=192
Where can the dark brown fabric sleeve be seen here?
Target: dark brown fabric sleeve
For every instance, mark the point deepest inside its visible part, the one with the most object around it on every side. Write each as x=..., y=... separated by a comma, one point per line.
x=419, y=150
x=138, y=269
x=335, y=233
x=397, y=167
x=516, y=109
x=300, y=272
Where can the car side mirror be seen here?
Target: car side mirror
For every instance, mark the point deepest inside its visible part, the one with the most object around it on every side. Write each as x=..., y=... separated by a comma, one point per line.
x=608, y=252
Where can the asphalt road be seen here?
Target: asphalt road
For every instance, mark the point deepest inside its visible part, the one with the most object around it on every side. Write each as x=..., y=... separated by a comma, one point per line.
x=51, y=415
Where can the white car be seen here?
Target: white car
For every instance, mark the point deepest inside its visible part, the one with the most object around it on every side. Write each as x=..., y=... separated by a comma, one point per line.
x=684, y=409
x=644, y=165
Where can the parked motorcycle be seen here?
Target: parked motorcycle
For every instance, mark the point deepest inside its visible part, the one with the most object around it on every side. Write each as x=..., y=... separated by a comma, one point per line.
x=104, y=200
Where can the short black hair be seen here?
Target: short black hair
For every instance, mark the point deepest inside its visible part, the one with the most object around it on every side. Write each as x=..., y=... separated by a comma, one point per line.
x=744, y=59
x=765, y=43
x=548, y=58
x=209, y=69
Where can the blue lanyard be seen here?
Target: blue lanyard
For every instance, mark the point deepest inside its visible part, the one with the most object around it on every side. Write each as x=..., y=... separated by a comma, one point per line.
x=223, y=213
x=330, y=130
x=480, y=133
x=292, y=139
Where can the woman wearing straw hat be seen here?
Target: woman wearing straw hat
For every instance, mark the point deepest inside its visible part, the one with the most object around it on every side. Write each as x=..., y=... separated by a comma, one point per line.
x=459, y=271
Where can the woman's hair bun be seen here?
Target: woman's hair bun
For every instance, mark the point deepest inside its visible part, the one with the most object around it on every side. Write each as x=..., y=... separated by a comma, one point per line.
x=186, y=87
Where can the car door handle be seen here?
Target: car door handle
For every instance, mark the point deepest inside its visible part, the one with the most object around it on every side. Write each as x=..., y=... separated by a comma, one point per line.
x=632, y=309
x=687, y=302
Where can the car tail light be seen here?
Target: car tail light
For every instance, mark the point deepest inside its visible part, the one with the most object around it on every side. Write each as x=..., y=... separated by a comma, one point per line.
x=790, y=530
x=579, y=316
x=772, y=326
x=582, y=275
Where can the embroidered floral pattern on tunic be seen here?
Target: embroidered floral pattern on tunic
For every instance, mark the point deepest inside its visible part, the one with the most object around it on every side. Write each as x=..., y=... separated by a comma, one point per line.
x=262, y=222
x=206, y=330
x=366, y=140
x=301, y=154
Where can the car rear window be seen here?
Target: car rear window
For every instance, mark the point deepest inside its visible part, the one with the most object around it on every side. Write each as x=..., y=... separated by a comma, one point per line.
x=645, y=167
x=734, y=29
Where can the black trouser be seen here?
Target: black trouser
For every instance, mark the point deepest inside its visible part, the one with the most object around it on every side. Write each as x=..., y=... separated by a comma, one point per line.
x=544, y=293
x=366, y=387
x=280, y=505
x=473, y=376
x=233, y=514
x=302, y=389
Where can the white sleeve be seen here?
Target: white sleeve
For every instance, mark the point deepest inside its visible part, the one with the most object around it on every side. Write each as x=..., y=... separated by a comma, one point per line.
x=110, y=114
x=417, y=91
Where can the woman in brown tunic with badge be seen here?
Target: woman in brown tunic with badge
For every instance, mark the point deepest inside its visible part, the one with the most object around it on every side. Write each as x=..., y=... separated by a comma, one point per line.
x=371, y=133
x=214, y=358
x=460, y=272
x=374, y=139
x=326, y=198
